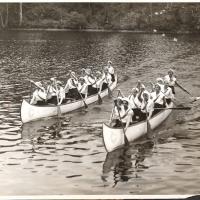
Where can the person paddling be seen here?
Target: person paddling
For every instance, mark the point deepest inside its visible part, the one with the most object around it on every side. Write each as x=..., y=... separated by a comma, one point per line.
x=127, y=117
x=91, y=82
x=83, y=88
x=111, y=71
x=160, y=82
x=158, y=98
x=106, y=78
x=71, y=91
x=135, y=103
x=39, y=95
x=169, y=96
x=51, y=91
x=60, y=92
x=171, y=80
x=147, y=107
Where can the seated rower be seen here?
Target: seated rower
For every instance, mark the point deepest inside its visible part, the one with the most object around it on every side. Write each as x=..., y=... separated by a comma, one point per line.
x=171, y=80
x=147, y=107
x=169, y=96
x=60, y=92
x=123, y=113
x=160, y=82
x=135, y=104
x=106, y=79
x=83, y=88
x=158, y=98
x=111, y=71
x=39, y=95
x=91, y=82
x=71, y=91
x=127, y=117
x=52, y=92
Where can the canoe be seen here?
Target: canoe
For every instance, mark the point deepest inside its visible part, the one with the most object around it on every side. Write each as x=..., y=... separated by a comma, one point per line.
x=34, y=112
x=113, y=138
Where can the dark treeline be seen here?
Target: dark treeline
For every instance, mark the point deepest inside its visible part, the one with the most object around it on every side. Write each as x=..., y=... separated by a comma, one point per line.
x=179, y=17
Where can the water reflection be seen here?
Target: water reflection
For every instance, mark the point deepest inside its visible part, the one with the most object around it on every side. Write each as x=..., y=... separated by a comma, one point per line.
x=124, y=163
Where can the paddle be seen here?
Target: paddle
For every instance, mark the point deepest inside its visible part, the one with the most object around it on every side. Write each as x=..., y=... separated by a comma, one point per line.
x=174, y=108
x=99, y=97
x=183, y=89
x=58, y=106
x=85, y=105
x=125, y=138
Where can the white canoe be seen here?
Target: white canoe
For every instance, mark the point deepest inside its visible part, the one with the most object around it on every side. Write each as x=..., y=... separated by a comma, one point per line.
x=34, y=112
x=114, y=137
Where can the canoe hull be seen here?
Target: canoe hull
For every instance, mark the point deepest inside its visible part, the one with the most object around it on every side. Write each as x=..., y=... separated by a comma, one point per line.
x=114, y=137
x=33, y=112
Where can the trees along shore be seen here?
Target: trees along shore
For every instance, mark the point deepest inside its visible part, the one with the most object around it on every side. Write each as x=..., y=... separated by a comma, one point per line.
x=136, y=17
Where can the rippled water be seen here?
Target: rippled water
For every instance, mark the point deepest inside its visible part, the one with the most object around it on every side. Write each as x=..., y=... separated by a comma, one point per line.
x=67, y=156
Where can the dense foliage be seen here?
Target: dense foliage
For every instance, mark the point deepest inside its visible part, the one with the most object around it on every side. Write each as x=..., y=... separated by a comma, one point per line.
x=121, y=16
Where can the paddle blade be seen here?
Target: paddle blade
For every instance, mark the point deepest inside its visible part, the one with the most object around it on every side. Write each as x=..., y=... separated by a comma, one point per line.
x=99, y=100
x=59, y=111
x=86, y=106
x=109, y=93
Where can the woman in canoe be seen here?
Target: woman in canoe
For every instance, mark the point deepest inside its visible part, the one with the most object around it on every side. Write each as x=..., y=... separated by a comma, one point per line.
x=71, y=91
x=39, y=95
x=171, y=80
x=111, y=71
x=147, y=107
x=52, y=92
x=91, y=82
x=106, y=79
x=123, y=113
x=83, y=88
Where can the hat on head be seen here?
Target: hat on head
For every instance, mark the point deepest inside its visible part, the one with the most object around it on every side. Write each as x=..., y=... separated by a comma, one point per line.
x=109, y=62
x=72, y=74
x=171, y=70
x=142, y=86
x=135, y=89
x=98, y=72
x=159, y=80
x=52, y=79
x=88, y=71
x=59, y=82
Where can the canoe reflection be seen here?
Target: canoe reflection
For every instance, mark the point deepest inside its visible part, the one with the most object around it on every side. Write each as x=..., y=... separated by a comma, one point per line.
x=120, y=162
x=39, y=132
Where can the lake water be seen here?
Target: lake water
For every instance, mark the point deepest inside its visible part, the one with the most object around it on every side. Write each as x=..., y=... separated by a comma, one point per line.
x=67, y=156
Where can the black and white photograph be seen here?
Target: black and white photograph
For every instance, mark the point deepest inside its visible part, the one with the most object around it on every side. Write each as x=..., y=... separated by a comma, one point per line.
x=99, y=98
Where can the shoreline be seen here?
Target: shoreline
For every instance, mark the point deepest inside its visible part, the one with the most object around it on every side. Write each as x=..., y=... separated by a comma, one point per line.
x=101, y=30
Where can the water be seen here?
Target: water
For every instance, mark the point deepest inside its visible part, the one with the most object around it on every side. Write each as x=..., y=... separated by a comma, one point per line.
x=67, y=156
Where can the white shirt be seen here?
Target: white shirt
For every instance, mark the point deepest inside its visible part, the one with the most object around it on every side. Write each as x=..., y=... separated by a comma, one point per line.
x=107, y=78
x=171, y=81
x=134, y=102
x=158, y=98
x=61, y=93
x=161, y=87
x=83, y=88
x=168, y=93
x=89, y=80
x=149, y=107
x=51, y=90
x=71, y=83
x=128, y=115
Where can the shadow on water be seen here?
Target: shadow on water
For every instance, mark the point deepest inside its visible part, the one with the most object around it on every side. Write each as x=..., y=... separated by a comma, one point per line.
x=124, y=163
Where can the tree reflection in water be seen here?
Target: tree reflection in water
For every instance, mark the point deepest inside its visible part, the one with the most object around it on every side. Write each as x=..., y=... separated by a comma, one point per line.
x=120, y=162
x=40, y=132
